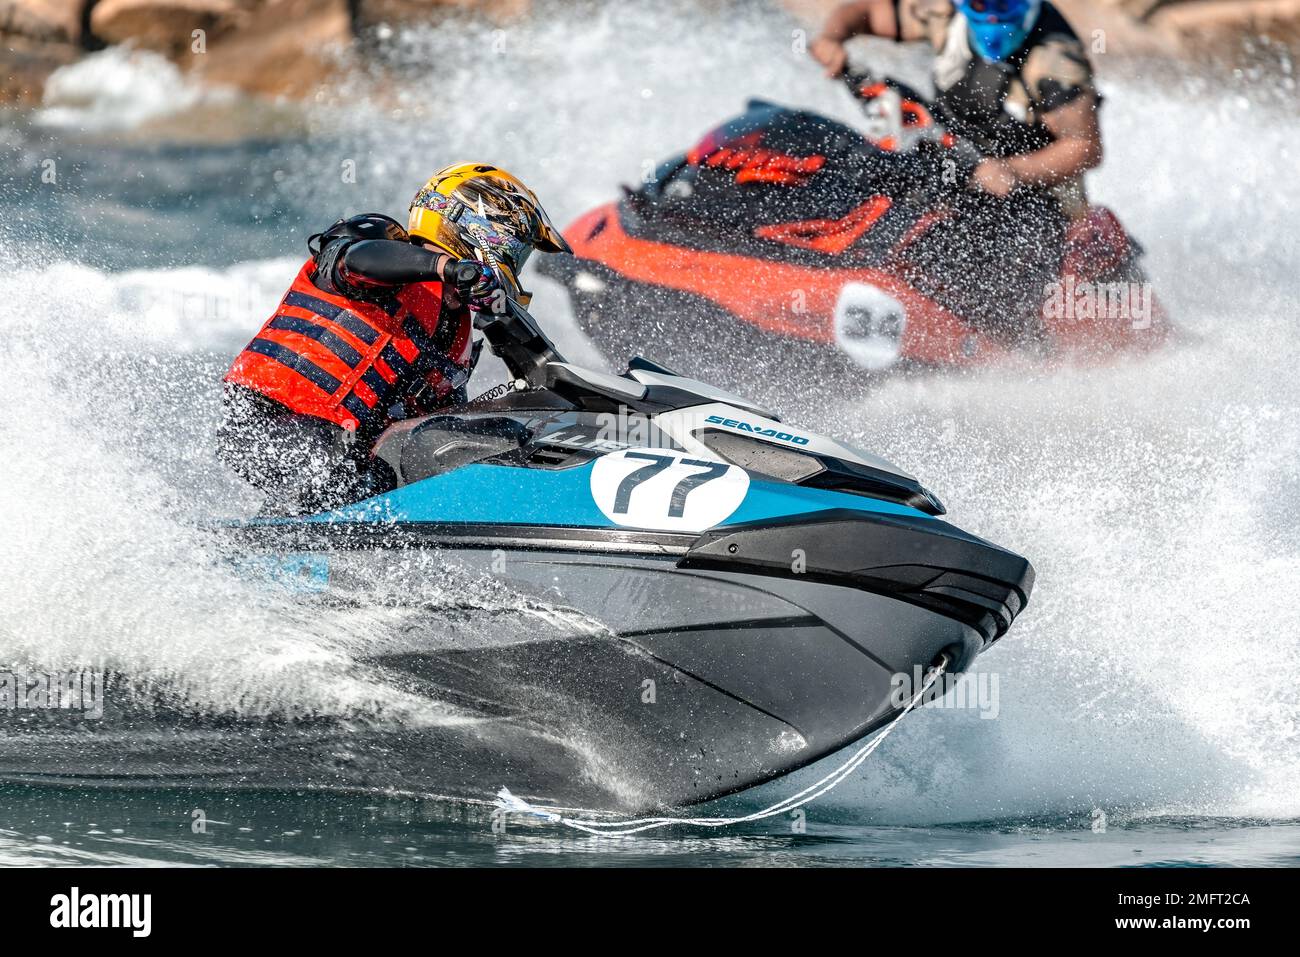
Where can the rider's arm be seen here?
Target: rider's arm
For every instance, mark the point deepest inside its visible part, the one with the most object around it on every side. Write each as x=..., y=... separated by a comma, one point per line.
x=1058, y=79
x=855, y=18
x=876, y=18
x=387, y=262
x=1076, y=149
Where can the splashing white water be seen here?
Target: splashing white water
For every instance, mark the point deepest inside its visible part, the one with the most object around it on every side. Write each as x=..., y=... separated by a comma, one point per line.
x=119, y=88
x=186, y=309
x=101, y=563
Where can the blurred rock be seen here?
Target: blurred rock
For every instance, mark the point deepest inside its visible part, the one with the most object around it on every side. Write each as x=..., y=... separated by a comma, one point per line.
x=1223, y=25
x=290, y=47
x=1141, y=9
x=165, y=25
x=281, y=48
x=26, y=64
x=372, y=13
x=37, y=37
x=51, y=21
x=1117, y=28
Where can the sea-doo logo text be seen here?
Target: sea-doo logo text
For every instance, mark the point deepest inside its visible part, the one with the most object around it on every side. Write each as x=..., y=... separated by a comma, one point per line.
x=756, y=430
x=75, y=910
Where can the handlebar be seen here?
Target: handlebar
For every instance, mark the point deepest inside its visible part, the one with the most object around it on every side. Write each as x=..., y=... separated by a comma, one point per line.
x=512, y=333
x=857, y=81
x=963, y=151
x=517, y=339
x=461, y=272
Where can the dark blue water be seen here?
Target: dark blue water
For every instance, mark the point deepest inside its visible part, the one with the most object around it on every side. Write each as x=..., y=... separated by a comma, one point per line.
x=69, y=827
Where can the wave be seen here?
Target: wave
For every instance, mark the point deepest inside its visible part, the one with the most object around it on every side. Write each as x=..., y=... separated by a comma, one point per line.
x=119, y=88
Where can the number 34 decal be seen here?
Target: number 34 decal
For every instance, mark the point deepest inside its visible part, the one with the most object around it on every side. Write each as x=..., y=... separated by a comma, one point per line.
x=651, y=488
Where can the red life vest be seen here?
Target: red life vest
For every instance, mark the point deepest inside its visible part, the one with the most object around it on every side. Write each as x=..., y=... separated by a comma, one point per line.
x=347, y=361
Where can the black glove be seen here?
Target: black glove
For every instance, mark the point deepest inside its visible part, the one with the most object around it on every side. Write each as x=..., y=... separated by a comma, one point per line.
x=476, y=284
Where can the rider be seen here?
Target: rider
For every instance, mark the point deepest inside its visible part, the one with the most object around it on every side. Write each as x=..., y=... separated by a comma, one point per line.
x=376, y=326
x=1013, y=78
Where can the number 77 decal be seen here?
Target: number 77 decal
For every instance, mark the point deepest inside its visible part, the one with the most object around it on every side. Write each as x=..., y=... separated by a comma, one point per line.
x=667, y=491
x=677, y=502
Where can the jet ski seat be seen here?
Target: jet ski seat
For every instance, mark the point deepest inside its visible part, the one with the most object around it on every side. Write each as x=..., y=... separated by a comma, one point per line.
x=439, y=444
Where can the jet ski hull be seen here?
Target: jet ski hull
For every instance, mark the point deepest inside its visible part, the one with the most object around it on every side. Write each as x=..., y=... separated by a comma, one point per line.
x=665, y=686
x=610, y=593
x=643, y=669
x=708, y=683
x=605, y=669
x=647, y=627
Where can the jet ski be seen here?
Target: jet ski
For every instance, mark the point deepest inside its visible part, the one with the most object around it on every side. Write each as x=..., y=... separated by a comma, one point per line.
x=736, y=596
x=785, y=238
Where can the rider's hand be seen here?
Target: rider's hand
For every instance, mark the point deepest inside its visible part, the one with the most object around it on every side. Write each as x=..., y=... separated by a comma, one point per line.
x=831, y=54
x=995, y=177
x=476, y=284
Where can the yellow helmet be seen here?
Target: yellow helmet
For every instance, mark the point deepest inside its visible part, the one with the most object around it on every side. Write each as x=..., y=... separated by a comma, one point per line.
x=477, y=211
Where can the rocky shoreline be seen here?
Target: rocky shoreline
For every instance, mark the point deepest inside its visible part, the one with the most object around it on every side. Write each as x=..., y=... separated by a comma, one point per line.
x=284, y=48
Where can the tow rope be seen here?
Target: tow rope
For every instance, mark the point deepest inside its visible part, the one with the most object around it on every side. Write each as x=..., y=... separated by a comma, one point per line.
x=510, y=804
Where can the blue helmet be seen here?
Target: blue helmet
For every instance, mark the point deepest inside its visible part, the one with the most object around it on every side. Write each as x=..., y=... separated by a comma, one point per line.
x=998, y=27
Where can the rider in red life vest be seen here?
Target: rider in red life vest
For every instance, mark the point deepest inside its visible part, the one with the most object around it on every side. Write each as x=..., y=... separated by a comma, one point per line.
x=377, y=326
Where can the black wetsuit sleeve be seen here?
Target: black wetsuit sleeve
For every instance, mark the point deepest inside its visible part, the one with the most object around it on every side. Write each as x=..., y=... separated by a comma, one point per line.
x=386, y=262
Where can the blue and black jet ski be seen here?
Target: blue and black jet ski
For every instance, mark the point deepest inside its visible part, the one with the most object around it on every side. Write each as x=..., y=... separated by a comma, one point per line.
x=747, y=590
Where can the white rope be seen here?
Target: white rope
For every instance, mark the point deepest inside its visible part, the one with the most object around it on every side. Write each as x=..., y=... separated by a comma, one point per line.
x=510, y=804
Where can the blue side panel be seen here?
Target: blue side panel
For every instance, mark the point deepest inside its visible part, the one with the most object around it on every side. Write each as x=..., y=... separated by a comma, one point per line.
x=768, y=500
x=505, y=495
x=486, y=494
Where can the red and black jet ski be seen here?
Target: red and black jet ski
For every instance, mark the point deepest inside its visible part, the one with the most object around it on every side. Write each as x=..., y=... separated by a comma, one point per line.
x=786, y=235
